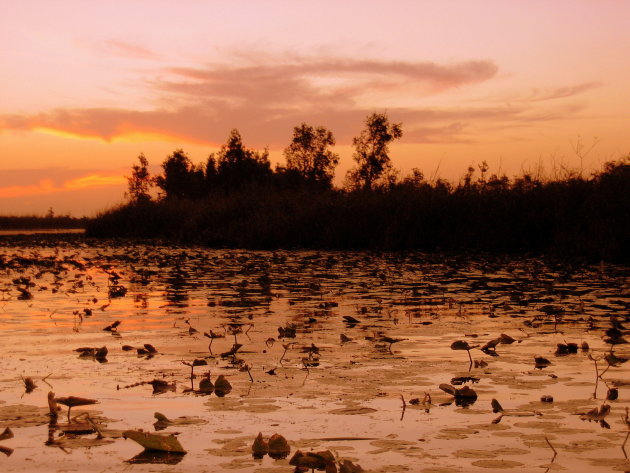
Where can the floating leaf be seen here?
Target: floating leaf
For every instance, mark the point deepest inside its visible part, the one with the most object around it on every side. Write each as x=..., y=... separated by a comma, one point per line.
x=157, y=457
x=29, y=385
x=7, y=434
x=346, y=466
x=463, y=396
x=447, y=388
x=222, y=386
x=160, y=417
x=491, y=345
x=314, y=460
x=158, y=442
x=259, y=447
x=460, y=345
x=552, y=309
x=496, y=407
x=464, y=379
x=6, y=450
x=113, y=327
x=205, y=385
x=73, y=401
x=78, y=428
x=278, y=447
x=597, y=414
x=236, y=347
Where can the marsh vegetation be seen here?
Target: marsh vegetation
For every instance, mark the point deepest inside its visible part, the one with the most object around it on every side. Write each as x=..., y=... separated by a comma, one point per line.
x=236, y=200
x=353, y=358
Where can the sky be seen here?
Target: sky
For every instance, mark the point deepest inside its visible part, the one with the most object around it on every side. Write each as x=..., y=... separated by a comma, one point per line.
x=86, y=86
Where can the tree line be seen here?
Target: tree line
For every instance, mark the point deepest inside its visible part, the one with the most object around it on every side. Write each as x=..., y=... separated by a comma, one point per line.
x=310, y=162
x=236, y=200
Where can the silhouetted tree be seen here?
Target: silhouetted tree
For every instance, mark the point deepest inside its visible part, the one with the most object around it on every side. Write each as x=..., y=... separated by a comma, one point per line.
x=415, y=180
x=308, y=154
x=181, y=179
x=210, y=174
x=237, y=165
x=140, y=183
x=371, y=155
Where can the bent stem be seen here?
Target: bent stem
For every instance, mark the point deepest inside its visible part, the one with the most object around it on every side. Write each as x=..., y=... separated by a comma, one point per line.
x=623, y=445
x=555, y=453
x=404, y=407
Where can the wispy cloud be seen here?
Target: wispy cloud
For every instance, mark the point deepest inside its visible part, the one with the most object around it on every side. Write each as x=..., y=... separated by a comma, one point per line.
x=542, y=94
x=313, y=81
x=33, y=184
x=124, y=49
x=265, y=97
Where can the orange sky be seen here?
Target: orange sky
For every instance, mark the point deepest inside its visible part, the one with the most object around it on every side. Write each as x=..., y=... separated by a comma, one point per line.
x=87, y=86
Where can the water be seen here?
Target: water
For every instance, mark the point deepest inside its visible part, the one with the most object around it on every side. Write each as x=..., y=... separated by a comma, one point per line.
x=343, y=397
x=42, y=231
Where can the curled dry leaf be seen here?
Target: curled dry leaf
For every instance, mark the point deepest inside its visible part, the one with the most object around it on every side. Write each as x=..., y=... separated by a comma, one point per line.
x=447, y=388
x=74, y=401
x=29, y=385
x=496, y=407
x=324, y=460
x=7, y=434
x=597, y=414
x=461, y=345
x=159, y=442
x=346, y=466
x=464, y=392
x=232, y=351
x=163, y=422
x=278, y=447
x=259, y=447
x=222, y=383
x=205, y=385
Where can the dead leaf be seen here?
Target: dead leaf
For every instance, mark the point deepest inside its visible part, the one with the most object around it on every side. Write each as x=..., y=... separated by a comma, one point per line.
x=159, y=442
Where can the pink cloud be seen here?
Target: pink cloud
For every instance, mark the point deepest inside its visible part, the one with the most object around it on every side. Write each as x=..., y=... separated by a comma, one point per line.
x=265, y=99
x=127, y=50
x=562, y=92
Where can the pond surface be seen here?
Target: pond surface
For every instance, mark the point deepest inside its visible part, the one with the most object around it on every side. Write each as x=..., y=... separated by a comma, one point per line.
x=41, y=231
x=340, y=351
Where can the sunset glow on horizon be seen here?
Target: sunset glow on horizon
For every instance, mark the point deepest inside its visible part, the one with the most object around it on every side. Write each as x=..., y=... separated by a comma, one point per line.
x=87, y=87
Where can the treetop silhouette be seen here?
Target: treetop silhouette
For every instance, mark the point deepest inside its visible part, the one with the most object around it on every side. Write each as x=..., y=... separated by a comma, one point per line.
x=374, y=167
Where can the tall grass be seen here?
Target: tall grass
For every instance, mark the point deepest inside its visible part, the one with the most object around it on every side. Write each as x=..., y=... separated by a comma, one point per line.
x=574, y=216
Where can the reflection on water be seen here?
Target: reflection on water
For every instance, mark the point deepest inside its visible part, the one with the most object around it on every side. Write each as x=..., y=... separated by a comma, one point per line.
x=150, y=456
x=333, y=350
x=42, y=231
